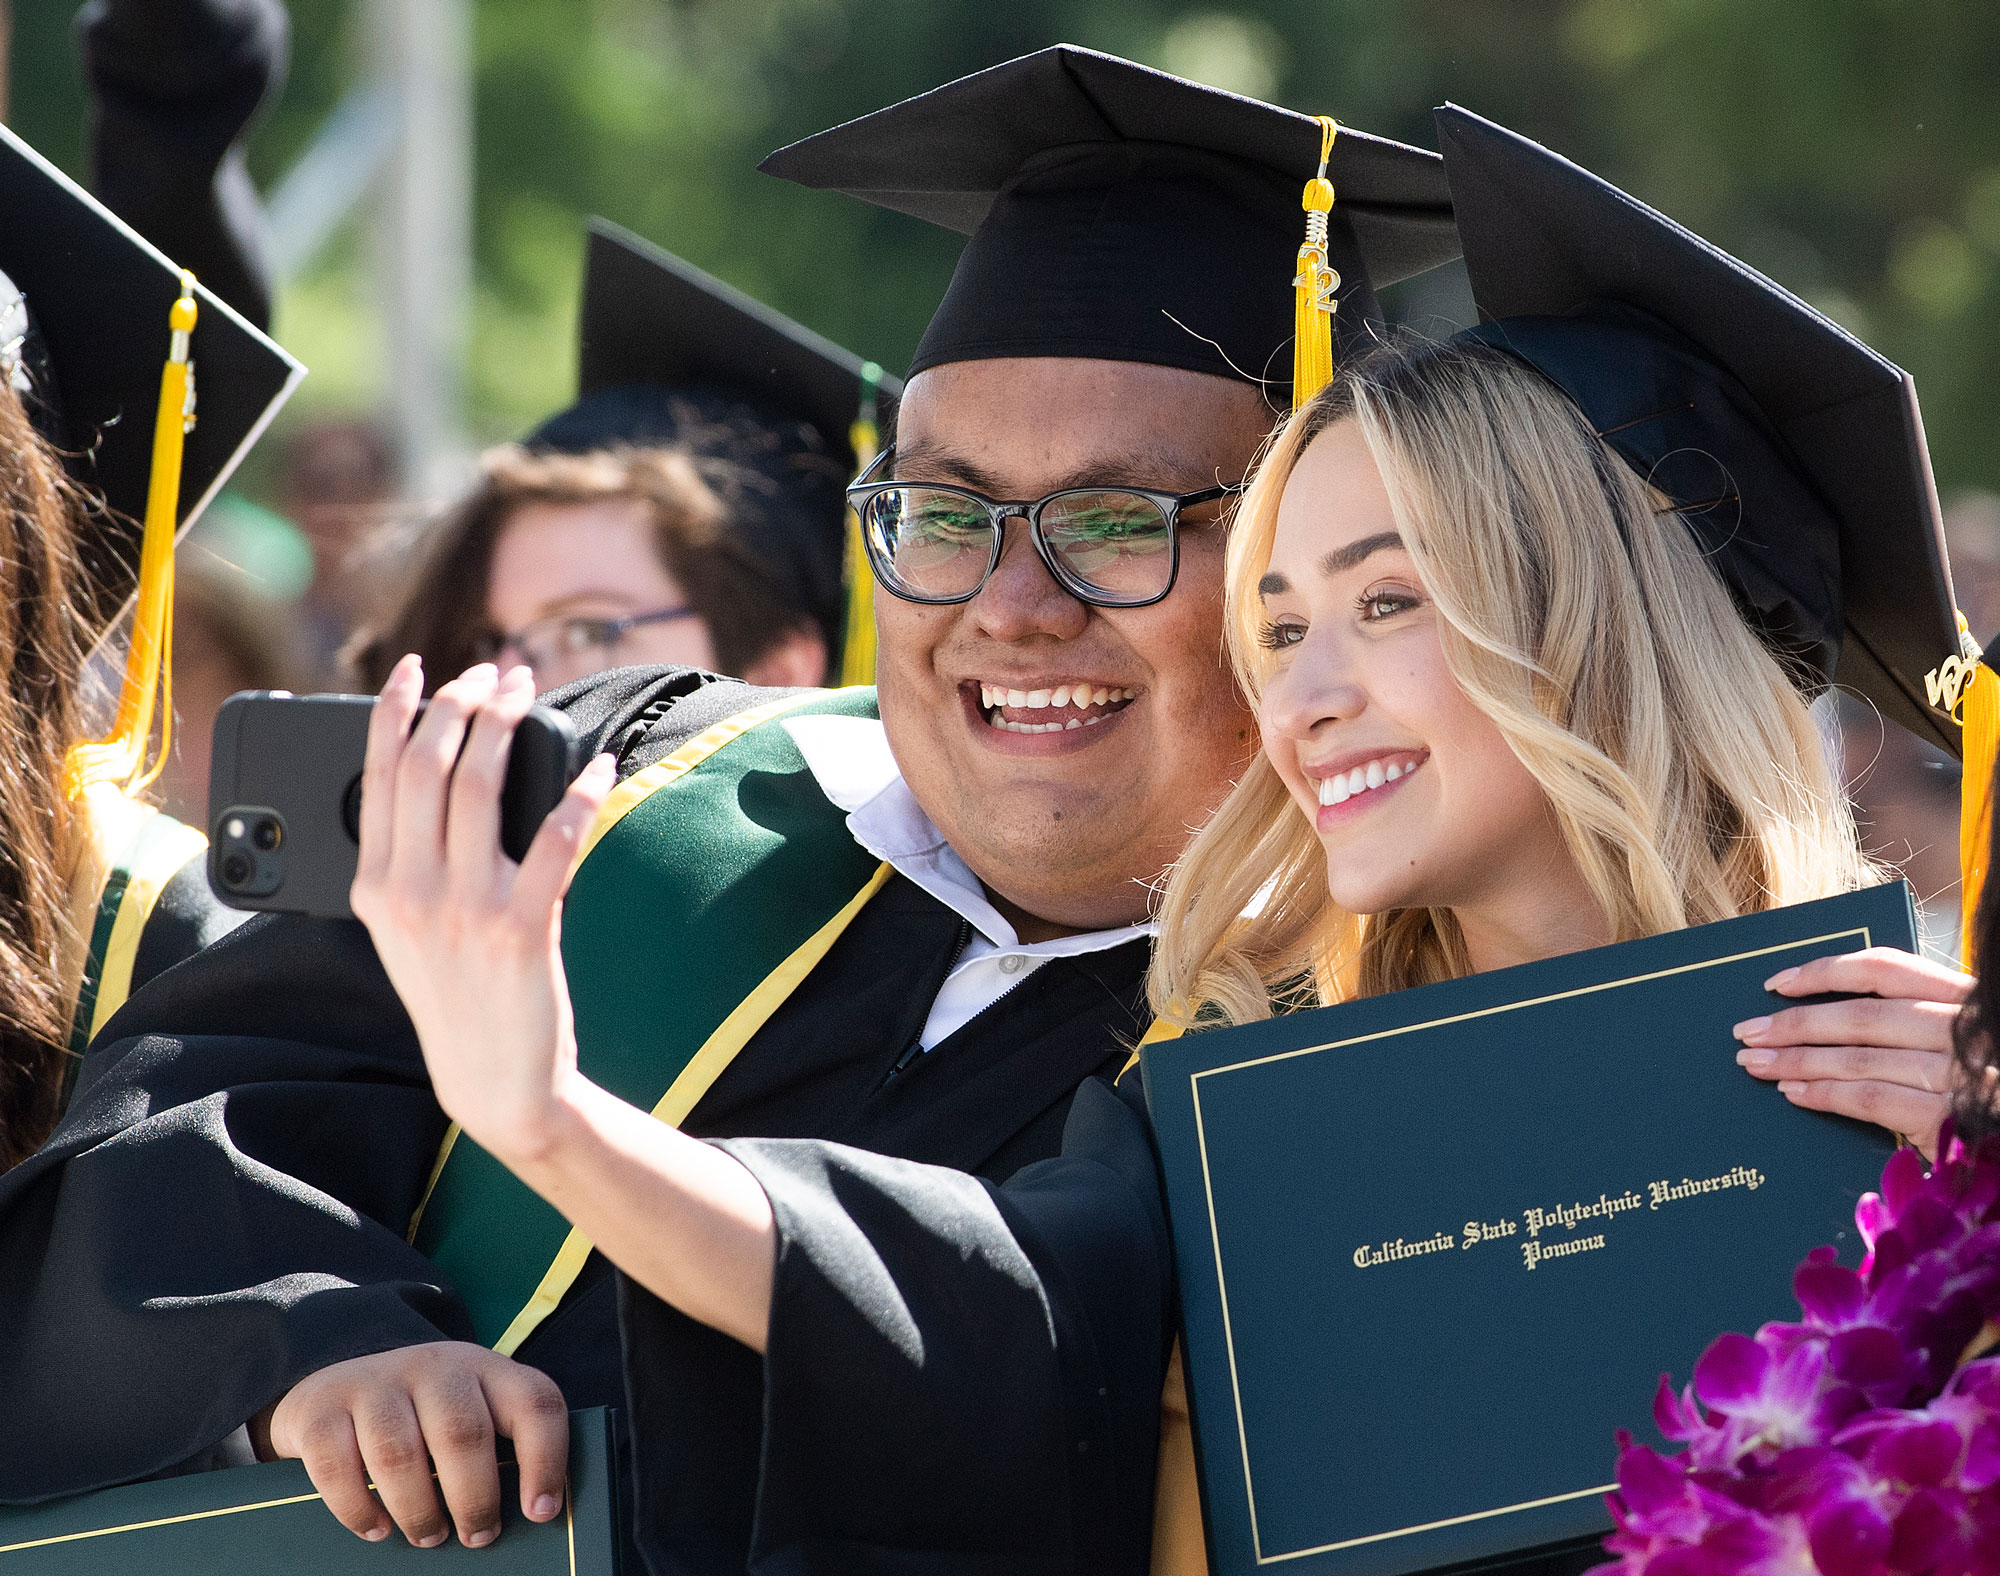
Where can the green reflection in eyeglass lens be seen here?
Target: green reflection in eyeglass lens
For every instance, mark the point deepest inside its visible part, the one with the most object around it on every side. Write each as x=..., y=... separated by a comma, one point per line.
x=934, y=537
x=1113, y=539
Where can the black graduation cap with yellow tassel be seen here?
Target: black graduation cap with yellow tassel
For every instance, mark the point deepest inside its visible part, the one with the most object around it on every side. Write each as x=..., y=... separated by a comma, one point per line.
x=670, y=354
x=111, y=333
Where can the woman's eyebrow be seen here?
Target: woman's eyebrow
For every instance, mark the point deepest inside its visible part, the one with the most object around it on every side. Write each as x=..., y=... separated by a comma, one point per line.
x=1342, y=559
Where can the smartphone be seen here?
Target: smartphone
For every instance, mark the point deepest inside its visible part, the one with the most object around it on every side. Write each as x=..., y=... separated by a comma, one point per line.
x=284, y=796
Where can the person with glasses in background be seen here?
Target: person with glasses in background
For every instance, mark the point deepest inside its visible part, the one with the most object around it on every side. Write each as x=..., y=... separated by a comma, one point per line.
x=685, y=511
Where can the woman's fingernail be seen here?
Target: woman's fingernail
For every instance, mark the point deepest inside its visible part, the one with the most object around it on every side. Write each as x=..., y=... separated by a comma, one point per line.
x=376, y=1534
x=1749, y=1057
x=481, y=1538
x=1791, y=1086
x=431, y=1542
x=546, y=1507
x=1781, y=979
x=1750, y=1028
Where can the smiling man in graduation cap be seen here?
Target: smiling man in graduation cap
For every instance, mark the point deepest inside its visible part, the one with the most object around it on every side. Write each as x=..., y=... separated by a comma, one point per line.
x=877, y=959
x=98, y=337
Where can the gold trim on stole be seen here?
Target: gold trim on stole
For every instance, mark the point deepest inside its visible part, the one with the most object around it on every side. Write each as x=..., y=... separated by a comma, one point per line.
x=619, y=803
x=146, y=879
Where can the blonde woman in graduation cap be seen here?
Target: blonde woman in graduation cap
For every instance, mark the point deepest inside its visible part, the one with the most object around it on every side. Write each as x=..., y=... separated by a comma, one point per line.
x=1532, y=619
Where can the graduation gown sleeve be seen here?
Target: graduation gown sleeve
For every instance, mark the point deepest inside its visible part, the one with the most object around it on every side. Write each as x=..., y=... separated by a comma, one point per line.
x=960, y=1376
x=219, y=1214
x=222, y=1209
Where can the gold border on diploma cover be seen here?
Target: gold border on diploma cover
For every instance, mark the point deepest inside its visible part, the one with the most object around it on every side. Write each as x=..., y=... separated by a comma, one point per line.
x=1215, y=1238
x=569, y=1523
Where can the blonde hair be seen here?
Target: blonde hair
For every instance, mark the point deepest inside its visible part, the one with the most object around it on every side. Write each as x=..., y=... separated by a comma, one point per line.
x=1577, y=612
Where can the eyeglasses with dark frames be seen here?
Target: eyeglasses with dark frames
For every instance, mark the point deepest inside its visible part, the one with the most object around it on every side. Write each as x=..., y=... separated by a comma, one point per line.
x=1108, y=546
x=546, y=642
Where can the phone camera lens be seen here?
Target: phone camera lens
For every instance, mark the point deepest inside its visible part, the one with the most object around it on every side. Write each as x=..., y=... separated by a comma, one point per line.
x=266, y=834
x=236, y=869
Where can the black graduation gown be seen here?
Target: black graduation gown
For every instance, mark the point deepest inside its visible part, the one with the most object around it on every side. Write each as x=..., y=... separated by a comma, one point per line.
x=223, y=1212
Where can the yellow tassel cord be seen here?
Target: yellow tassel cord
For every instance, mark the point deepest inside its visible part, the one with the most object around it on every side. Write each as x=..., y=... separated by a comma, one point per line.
x=120, y=760
x=1979, y=714
x=1314, y=287
x=857, y=645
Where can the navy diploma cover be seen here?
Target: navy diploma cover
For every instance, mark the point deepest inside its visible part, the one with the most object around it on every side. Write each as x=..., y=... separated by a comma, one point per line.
x=1435, y=1247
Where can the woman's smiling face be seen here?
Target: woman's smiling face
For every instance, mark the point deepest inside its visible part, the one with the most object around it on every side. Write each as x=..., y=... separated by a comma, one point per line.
x=1416, y=796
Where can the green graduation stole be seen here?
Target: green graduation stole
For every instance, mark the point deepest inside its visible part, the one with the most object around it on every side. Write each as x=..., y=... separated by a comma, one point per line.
x=711, y=885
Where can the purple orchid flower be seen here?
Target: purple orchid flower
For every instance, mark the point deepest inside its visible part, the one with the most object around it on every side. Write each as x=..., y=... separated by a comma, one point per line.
x=1862, y=1440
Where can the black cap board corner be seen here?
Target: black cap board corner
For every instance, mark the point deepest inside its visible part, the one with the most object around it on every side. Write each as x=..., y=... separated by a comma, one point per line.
x=99, y=295
x=1796, y=451
x=650, y=317
x=1120, y=212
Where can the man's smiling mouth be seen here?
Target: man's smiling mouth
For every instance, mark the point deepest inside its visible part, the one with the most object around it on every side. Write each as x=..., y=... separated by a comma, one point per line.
x=1051, y=708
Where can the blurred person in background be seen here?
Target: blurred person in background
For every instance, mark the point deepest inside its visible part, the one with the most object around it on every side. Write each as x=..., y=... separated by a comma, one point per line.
x=228, y=636
x=174, y=86
x=337, y=485
x=589, y=548
x=573, y=563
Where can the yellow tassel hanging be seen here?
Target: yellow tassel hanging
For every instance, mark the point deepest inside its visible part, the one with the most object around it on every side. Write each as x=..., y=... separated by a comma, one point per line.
x=857, y=645
x=1315, y=285
x=1979, y=715
x=120, y=759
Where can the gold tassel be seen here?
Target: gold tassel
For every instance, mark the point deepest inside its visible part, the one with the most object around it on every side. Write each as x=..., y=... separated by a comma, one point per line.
x=121, y=759
x=1979, y=715
x=1315, y=285
x=857, y=646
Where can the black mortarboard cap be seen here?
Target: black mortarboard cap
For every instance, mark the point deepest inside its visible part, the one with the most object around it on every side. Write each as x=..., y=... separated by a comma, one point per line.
x=99, y=297
x=671, y=355
x=1796, y=452
x=1118, y=212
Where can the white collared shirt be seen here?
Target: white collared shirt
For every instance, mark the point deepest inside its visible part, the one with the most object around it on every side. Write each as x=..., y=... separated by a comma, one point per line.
x=849, y=758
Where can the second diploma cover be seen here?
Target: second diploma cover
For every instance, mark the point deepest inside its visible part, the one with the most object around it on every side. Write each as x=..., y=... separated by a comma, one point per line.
x=1436, y=1246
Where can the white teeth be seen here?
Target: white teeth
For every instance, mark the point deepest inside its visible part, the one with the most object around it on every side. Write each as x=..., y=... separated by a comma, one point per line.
x=1074, y=722
x=1037, y=699
x=1060, y=696
x=1017, y=697
x=1099, y=696
x=1343, y=786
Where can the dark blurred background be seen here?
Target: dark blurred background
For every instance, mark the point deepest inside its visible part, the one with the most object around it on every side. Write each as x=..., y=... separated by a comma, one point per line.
x=1850, y=148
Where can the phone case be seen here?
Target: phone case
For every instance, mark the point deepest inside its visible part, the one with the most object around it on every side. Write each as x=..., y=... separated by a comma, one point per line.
x=284, y=796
